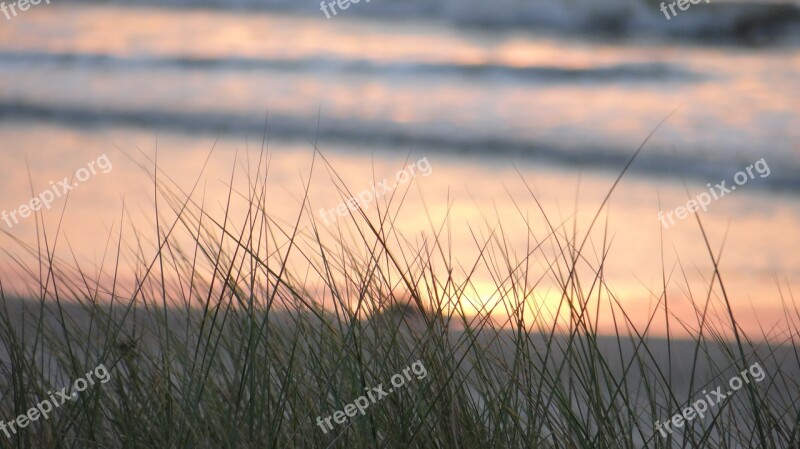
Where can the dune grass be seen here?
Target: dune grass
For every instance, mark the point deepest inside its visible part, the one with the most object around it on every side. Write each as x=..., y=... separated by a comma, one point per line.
x=227, y=344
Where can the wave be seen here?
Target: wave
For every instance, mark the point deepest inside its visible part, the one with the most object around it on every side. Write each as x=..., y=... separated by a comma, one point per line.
x=356, y=133
x=660, y=72
x=750, y=20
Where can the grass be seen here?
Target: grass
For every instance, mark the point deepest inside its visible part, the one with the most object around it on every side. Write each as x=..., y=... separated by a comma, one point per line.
x=242, y=338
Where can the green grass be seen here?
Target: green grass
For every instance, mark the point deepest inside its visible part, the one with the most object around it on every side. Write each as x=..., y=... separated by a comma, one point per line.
x=226, y=343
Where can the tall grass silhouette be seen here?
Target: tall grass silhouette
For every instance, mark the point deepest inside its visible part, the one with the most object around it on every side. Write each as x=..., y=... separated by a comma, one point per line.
x=228, y=343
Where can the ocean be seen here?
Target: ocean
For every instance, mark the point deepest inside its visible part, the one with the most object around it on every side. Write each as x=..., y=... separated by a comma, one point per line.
x=558, y=94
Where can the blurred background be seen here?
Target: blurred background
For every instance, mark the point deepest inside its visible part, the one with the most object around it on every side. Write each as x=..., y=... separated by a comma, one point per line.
x=500, y=96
